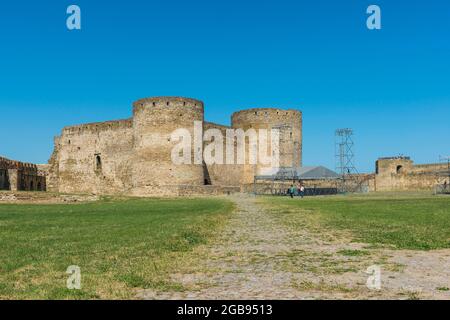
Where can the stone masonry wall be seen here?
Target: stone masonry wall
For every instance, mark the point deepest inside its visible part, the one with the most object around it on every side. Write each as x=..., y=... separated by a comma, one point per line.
x=93, y=158
x=289, y=122
x=222, y=174
x=20, y=176
x=400, y=174
x=134, y=156
x=154, y=120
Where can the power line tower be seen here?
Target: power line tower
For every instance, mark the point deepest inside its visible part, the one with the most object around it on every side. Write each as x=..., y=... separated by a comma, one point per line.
x=345, y=158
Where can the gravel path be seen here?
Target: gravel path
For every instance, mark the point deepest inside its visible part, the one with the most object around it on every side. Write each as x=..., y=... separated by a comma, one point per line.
x=258, y=256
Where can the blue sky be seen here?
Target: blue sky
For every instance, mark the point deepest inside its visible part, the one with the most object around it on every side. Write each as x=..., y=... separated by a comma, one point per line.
x=391, y=86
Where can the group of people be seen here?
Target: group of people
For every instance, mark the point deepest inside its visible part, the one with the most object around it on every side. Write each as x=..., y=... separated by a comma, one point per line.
x=296, y=190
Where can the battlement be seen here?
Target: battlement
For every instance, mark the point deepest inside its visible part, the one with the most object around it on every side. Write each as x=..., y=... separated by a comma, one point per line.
x=177, y=102
x=395, y=158
x=98, y=126
x=6, y=163
x=265, y=115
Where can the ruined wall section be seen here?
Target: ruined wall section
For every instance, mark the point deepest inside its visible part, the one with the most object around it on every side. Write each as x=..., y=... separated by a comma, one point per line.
x=20, y=176
x=400, y=174
x=4, y=177
x=53, y=167
x=431, y=167
x=93, y=158
x=154, y=120
x=289, y=122
x=222, y=174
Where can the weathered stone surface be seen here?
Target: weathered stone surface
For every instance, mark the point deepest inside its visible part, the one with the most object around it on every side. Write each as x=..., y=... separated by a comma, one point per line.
x=400, y=174
x=133, y=156
x=20, y=176
x=289, y=122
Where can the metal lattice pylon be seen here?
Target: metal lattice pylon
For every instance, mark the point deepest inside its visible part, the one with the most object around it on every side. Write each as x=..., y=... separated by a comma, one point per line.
x=344, y=154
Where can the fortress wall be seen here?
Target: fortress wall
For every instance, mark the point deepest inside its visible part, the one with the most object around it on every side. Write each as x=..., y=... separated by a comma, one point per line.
x=29, y=180
x=432, y=167
x=222, y=174
x=289, y=122
x=134, y=156
x=20, y=176
x=43, y=169
x=154, y=120
x=93, y=158
x=408, y=182
x=400, y=174
x=53, y=167
x=4, y=181
x=185, y=190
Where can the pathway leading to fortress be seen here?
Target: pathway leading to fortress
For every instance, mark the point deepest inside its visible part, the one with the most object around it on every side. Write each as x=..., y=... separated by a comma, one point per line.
x=258, y=256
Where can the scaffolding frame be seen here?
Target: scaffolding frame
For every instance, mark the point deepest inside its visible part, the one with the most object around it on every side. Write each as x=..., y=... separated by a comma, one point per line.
x=344, y=161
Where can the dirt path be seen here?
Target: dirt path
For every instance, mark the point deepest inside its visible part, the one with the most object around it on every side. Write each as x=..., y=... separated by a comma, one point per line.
x=258, y=256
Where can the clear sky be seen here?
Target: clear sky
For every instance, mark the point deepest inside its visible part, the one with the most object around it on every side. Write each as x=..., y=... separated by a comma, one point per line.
x=391, y=86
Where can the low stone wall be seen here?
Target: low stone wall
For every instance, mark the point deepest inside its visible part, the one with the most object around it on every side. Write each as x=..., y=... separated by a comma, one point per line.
x=182, y=190
x=43, y=197
x=280, y=187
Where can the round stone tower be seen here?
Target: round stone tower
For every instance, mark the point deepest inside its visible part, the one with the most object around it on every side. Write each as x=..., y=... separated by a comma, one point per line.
x=154, y=120
x=289, y=124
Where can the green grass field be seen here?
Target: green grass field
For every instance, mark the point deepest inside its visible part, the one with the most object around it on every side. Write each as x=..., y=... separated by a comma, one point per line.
x=403, y=221
x=119, y=245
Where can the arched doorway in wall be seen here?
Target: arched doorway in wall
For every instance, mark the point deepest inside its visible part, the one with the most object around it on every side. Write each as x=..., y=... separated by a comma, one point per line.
x=399, y=169
x=31, y=185
x=39, y=186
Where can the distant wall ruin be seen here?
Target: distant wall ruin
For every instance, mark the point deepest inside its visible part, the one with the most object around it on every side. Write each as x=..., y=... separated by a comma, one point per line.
x=20, y=176
x=401, y=174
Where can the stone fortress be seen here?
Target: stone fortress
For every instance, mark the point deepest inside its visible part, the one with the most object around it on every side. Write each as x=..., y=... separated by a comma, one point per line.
x=401, y=174
x=133, y=156
x=20, y=176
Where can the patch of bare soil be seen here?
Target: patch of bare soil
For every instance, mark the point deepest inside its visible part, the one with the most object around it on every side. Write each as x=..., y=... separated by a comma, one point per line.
x=258, y=256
